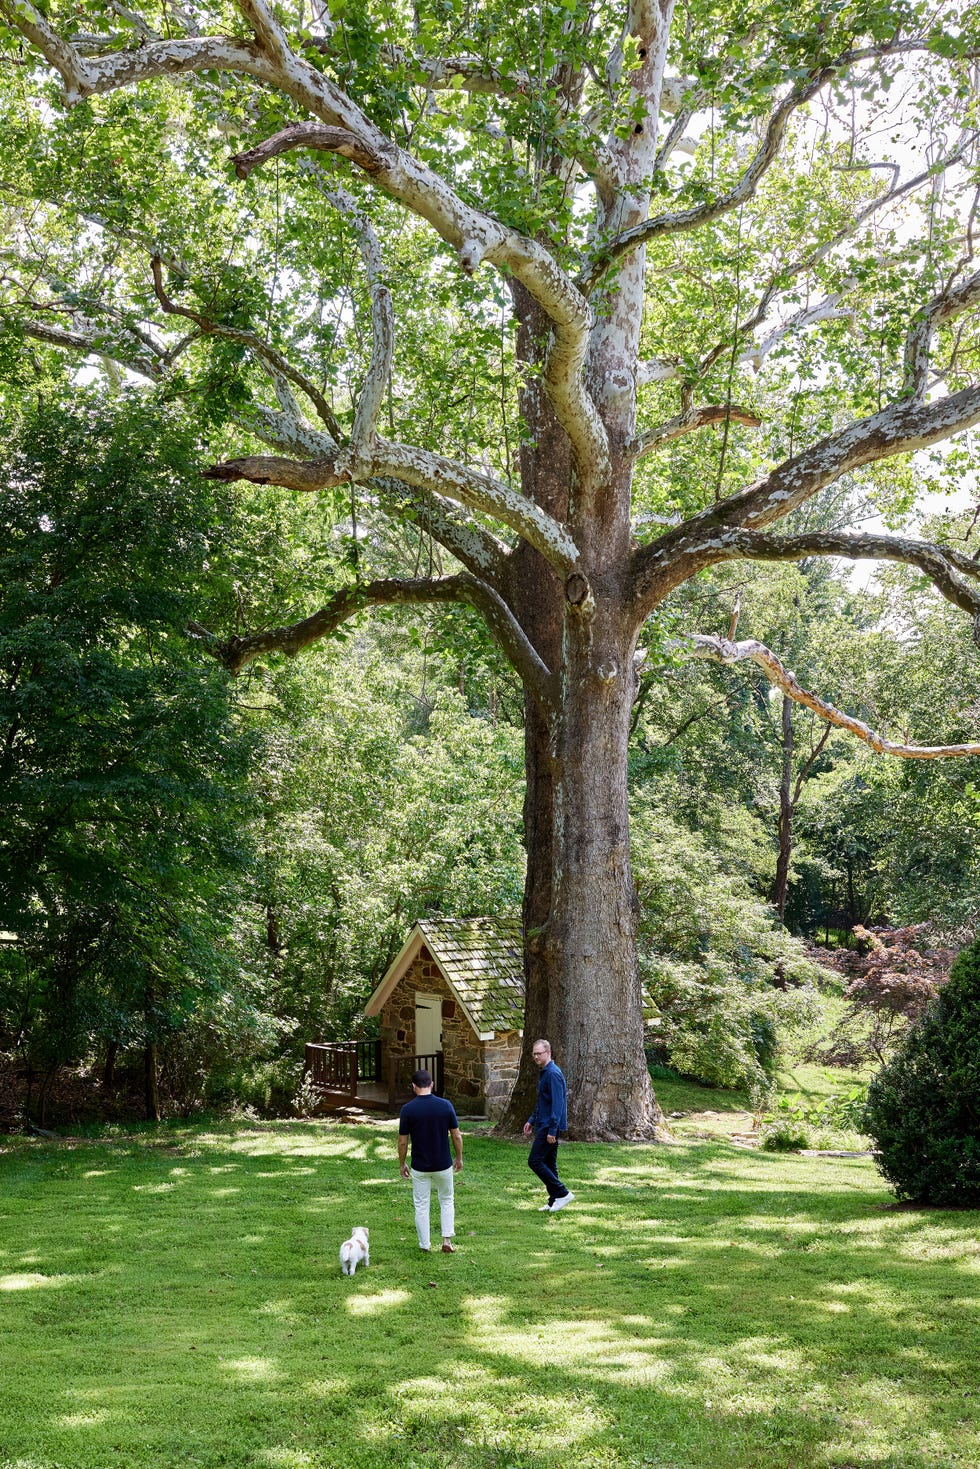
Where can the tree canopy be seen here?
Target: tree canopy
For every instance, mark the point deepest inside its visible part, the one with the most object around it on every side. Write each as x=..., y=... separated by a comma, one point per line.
x=555, y=308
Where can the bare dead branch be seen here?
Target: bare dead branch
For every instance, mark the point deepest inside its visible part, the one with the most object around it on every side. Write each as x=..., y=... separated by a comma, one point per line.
x=720, y=650
x=307, y=476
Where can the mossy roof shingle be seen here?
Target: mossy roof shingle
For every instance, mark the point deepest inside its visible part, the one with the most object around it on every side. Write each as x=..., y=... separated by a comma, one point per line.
x=482, y=959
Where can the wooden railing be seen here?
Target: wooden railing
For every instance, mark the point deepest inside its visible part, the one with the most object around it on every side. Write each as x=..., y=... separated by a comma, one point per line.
x=434, y=1066
x=339, y=1067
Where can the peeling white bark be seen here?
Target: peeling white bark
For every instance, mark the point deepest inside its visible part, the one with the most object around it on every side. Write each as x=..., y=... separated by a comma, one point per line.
x=372, y=393
x=419, y=467
x=403, y=177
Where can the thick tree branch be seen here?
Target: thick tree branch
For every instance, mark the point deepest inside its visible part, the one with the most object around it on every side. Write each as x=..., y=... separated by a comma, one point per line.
x=474, y=235
x=683, y=221
x=720, y=650
x=942, y=308
x=945, y=567
x=713, y=535
x=372, y=392
x=95, y=343
x=688, y=421
x=690, y=219
x=417, y=467
x=472, y=545
x=313, y=135
x=475, y=548
x=901, y=428
x=268, y=354
x=237, y=652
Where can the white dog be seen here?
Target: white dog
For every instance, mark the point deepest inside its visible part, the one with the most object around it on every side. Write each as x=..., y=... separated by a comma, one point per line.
x=355, y=1250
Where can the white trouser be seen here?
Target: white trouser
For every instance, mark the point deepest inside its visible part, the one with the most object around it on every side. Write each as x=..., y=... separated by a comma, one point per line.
x=421, y=1195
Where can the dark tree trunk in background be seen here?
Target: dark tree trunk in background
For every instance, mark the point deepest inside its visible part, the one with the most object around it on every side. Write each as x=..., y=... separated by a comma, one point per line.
x=786, y=808
x=151, y=1087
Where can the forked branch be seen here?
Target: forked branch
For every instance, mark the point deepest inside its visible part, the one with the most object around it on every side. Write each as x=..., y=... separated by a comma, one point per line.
x=237, y=652
x=274, y=359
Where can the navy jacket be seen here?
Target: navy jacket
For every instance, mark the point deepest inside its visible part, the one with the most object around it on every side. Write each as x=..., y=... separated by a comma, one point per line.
x=549, y=1113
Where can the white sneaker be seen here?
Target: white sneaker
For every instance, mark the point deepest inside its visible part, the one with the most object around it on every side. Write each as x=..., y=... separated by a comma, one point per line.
x=560, y=1203
x=545, y=1209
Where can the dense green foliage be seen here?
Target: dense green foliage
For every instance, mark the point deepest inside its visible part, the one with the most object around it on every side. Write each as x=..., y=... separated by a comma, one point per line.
x=923, y=1107
x=225, y=869
x=729, y=987
x=122, y=764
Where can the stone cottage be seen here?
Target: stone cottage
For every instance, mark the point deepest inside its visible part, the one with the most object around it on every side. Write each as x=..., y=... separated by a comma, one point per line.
x=453, y=1001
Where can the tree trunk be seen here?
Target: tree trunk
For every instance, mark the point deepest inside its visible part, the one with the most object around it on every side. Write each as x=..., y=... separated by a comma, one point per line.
x=595, y=1012
x=781, y=885
x=151, y=1088
x=109, y=1068
x=538, y=890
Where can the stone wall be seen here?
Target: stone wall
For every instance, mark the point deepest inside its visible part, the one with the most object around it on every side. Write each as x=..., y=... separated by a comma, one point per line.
x=478, y=1075
x=501, y=1059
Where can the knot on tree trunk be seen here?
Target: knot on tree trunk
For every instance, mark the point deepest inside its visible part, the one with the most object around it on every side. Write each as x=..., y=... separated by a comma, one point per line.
x=578, y=595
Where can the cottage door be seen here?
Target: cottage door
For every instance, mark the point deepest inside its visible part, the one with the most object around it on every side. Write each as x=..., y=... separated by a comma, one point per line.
x=428, y=1029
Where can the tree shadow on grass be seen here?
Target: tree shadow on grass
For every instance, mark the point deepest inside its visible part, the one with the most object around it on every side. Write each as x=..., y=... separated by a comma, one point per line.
x=695, y=1307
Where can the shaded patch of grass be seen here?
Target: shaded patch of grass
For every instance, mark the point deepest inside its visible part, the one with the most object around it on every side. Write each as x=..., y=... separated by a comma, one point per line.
x=176, y=1298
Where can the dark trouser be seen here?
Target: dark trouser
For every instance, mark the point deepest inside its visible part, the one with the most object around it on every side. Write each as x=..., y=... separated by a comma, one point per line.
x=542, y=1160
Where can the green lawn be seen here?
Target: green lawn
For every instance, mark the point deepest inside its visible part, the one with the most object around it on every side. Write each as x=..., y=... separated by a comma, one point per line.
x=175, y=1299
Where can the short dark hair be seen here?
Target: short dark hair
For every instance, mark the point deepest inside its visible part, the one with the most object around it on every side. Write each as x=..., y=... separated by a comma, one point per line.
x=421, y=1078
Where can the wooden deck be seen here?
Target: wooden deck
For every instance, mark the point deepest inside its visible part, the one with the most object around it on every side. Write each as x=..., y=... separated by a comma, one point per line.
x=353, y=1074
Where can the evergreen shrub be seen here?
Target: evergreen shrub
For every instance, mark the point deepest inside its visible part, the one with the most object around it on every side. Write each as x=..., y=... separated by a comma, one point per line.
x=923, y=1108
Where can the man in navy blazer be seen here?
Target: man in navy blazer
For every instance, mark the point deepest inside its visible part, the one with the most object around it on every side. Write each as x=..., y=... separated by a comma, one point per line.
x=548, y=1119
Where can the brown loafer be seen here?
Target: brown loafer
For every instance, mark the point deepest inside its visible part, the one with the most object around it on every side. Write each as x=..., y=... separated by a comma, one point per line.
x=448, y=1249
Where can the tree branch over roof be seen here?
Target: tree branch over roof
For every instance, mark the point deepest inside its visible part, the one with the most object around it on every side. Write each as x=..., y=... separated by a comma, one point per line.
x=720, y=650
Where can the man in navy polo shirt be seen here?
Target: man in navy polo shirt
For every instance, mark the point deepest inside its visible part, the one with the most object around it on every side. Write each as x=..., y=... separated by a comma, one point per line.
x=430, y=1122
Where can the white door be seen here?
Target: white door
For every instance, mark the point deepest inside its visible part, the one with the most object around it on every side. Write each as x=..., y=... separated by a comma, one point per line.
x=428, y=1025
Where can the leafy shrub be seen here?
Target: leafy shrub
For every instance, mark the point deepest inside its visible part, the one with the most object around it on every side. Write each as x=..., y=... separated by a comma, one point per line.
x=833, y=1122
x=786, y=1136
x=893, y=974
x=726, y=985
x=923, y=1107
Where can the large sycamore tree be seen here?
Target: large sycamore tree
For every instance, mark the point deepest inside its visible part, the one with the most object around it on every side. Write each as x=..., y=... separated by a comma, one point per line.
x=579, y=298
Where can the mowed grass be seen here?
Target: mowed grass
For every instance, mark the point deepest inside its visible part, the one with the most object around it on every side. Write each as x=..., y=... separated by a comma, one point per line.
x=175, y=1298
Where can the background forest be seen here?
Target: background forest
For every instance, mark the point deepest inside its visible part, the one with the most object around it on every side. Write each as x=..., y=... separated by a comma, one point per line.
x=199, y=873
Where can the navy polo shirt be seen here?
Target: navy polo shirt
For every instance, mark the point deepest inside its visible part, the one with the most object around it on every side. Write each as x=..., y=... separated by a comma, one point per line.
x=428, y=1122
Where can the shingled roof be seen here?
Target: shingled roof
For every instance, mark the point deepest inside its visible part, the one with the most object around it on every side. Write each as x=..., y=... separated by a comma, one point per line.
x=481, y=961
